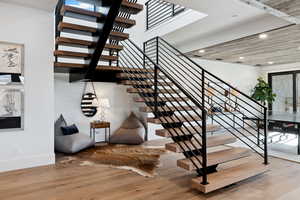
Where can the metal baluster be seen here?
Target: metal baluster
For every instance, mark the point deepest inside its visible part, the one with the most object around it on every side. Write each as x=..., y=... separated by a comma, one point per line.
x=204, y=146
x=265, y=136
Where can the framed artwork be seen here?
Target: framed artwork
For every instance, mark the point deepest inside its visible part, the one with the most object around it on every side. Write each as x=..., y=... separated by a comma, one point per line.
x=11, y=63
x=11, y=86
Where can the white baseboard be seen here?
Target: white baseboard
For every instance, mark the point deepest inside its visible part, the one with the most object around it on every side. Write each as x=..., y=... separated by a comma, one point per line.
x=27, y=162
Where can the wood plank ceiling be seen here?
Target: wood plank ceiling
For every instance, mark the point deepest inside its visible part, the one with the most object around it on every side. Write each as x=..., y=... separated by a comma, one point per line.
x=279, y=46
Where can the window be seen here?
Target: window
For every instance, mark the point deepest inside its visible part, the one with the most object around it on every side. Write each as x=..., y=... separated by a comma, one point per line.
x=286, y=85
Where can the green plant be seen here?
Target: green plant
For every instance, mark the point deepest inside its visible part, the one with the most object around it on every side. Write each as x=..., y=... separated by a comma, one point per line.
x=263, y=92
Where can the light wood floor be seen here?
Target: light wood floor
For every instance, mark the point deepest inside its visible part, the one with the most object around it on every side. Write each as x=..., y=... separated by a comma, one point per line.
x=73, y=182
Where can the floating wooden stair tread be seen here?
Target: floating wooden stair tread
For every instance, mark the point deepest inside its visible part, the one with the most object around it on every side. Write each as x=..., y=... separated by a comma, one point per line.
x=185, y=131
x=69, y=27
x=173, y=119
x=138, y=76
x=168, y=109
x=212, y=141
x=63, y=26
x=145, y=83
x=161, y=99
x=229, y=176
x=84, y=43
x=215, y=158
x=118, y=36
x=131, y=8
x=70, y=54
x=94, y=16
x=149, y=90
x=84, y=66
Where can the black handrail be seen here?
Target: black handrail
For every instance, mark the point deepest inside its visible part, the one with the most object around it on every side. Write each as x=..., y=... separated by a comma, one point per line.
x=158, y=11
x=214, y=76
x=133, y=56
x=190, y=74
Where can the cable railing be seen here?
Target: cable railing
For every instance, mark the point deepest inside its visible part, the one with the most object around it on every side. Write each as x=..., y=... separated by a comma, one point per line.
x=158, y=11
x=218, y=95
x=131, y=57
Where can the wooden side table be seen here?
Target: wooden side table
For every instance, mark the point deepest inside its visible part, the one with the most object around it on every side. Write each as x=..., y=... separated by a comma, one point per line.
x=100, y=125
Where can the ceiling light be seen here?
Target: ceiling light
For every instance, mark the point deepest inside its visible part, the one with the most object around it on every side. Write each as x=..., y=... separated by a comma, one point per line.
x=270, y=62
x=202, y=51
x=242, y=58
x=263, y=36
x=298, y=48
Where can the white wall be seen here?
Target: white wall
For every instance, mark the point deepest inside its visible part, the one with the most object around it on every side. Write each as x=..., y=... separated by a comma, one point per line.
x=68, y=99
x=35, y=145
x=264, y=71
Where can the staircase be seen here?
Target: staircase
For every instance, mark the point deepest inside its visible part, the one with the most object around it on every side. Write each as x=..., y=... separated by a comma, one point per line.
x=173, y=89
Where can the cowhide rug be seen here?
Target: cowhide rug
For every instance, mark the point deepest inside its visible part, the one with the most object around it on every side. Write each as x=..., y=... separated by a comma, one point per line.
x=142, y=160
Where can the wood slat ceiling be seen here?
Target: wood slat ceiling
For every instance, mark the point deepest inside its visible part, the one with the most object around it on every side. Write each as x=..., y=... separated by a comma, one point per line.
x=290, y=7
x=281, y=47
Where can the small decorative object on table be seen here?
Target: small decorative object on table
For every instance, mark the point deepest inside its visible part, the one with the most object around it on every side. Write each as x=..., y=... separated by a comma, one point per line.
x=100, y=125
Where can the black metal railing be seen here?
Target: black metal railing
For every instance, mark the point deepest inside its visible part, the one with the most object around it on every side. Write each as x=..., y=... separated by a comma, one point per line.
x=158, y=11
x=200, y=83
x=139, y=67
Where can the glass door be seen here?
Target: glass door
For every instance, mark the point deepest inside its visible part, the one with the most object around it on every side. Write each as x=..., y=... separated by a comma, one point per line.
x=282, y=86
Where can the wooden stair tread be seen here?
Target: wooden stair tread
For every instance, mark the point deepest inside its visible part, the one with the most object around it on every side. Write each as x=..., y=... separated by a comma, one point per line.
x=120, y=21
x=229, y=176
x=149, y=90
x=83, y=66
x=142, y=76
x=84, y=43
x=161, y=99
x=71, y=54
x=131, y=8
x=215, y=158
x=118, y=35
x=173, y=119
x=188, y=131
x=212, y=141
x=167, y=109
x=146, y=83
x=114, y=35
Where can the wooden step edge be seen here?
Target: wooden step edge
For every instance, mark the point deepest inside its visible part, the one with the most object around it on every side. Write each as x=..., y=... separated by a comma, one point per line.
x=215, y=158
x=148, y=109
x=212, y=141
x=142, y=100
x=166, y=133
x=140, y=90
x=132, y=8
x=68, y=8
x=167, y=120
x=230, y=176
x=66, y=25
x=123, y=22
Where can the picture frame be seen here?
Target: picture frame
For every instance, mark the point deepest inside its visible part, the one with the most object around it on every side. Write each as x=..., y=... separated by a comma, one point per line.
x=11, y=63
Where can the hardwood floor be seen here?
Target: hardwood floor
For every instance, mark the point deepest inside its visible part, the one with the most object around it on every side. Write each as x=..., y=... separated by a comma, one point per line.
x=74, y=182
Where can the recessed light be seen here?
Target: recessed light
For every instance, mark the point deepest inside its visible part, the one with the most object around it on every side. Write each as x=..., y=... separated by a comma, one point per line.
x=202, y=51
x=298, y=48
x=270, y=62
x=242, y=58
x=263, y=36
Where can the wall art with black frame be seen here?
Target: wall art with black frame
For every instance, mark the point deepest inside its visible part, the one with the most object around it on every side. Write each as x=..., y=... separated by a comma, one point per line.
x=11, y=86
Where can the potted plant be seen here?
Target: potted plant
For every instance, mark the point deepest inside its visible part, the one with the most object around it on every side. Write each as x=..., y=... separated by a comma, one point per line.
x=262, y=92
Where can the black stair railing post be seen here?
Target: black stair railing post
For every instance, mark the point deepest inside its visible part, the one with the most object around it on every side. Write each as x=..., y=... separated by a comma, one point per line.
x=155, y=77
x=204, y=146
x=147, y=15
x=265, y=136
x=173, y=10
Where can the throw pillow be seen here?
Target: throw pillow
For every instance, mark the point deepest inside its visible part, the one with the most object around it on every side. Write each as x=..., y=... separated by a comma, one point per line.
x=58, y=124
x=69, y=130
